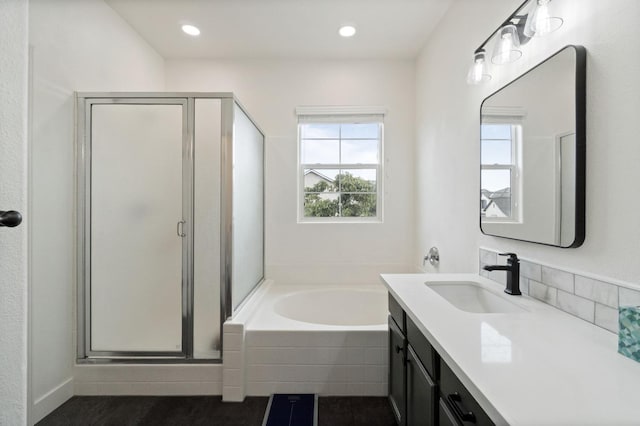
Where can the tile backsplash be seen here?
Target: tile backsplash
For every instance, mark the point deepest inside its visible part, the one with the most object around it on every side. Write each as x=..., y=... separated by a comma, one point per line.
x=584, y=297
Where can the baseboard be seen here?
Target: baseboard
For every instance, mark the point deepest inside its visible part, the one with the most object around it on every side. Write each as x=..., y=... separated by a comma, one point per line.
x=52, y=400
x=148, y=388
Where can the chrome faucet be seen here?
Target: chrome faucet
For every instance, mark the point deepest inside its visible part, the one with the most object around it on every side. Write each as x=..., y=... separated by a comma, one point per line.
x=513, y=273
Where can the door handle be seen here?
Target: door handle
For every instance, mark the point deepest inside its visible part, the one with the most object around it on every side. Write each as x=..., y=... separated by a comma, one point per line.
x=180, y=229
x=10, y=218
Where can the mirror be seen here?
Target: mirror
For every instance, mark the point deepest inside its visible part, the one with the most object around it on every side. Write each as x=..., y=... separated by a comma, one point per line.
x=532, y=154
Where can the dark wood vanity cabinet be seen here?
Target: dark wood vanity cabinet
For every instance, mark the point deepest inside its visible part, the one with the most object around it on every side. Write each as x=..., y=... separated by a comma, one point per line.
x=423, y=391
x=397, y=371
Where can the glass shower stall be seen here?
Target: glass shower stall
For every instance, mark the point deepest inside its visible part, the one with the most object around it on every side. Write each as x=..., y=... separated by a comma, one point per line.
x=170, y=223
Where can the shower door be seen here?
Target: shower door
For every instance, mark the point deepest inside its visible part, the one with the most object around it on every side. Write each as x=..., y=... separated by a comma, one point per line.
x=137, y=204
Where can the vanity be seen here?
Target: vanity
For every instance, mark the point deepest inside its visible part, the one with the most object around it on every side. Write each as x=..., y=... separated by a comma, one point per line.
x=464, y=353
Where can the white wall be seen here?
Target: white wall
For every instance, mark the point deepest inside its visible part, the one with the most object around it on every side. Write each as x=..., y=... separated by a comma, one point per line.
x=77, y=46
x=13, y=196
x=270, y=90
x=447, y=111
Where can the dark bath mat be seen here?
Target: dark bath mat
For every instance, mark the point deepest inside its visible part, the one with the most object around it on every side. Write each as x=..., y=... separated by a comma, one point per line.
x=291, y=410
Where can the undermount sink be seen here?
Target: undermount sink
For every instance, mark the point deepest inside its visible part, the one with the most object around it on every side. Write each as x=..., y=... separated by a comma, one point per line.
x=471, y=297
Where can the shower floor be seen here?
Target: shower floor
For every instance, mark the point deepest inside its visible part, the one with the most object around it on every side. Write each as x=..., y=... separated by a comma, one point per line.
x=209, y=410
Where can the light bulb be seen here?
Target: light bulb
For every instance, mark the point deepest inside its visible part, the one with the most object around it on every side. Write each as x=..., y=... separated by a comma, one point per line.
x=191, y=30
x=507, y=48
x=347, y=31
x=539, y=20
x=478, y=71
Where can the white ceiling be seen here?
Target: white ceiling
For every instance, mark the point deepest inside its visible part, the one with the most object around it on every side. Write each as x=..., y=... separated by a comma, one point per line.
x=284, y=28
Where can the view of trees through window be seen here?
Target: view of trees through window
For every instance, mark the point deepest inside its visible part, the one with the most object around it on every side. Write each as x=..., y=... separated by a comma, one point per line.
x=340, y=165
x=346, y=196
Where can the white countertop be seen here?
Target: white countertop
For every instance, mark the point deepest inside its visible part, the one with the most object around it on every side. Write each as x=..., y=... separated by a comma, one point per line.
x=538, y=367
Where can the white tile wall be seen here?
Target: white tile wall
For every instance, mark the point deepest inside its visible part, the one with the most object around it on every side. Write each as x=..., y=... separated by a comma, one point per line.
x=593, y=300
x=233, y=362
x=323, y=362
x=111, y=379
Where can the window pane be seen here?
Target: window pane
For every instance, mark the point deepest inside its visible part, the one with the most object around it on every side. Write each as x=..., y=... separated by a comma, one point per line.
x=496, y=193
x=321, y=180
x=495, y=131
x=321, y=205
x=495, y=151
x=358, y=205
x=358, y=180
x=361, y=131
x=320, y=151
x=360, y=152
x=320, y=131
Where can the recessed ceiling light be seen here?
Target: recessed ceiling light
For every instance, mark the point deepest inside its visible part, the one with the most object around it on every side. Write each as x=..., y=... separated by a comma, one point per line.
x=191, y=30
x=347, y=31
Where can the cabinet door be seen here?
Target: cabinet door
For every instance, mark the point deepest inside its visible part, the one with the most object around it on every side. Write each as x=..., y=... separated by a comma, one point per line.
x=445, y=416
x=421, y=393
x=396, y=371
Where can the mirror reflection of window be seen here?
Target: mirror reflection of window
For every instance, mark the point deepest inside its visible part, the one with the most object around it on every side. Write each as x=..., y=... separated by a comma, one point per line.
x=499, y=193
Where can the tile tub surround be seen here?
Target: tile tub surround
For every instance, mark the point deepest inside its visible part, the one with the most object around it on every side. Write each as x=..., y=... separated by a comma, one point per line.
x=266, y=353
x=339, y=363
x=592, y=300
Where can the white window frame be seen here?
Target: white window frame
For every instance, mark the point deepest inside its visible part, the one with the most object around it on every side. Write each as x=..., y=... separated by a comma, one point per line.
x=514, y=119
x=341, y=115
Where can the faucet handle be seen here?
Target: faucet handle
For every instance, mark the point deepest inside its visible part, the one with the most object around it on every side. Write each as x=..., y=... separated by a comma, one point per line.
x=512, y=256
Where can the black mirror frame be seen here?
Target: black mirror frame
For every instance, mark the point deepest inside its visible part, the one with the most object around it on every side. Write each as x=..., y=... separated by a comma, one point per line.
x=581, y=144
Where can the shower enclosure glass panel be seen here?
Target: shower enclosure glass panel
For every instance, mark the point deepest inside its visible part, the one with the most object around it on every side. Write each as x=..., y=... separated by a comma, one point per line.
x=248, y=206
x=136, y=204
x=206, y=232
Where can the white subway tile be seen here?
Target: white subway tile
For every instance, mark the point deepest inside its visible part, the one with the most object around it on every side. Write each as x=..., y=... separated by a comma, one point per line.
x=232, y=359
x=599, y=291
x=488, y=257
x=231, y=377
x=232, y=394
x=629, y=297
x=355, y=356
x=234, y=328
x=607, y=318
x=375, y=373
x=524, y=285
x=543, y=292
x=356, y=374
x=561, y=280
x=374, y=355
x=531, y=270
x=232, y=341
x=575, y=305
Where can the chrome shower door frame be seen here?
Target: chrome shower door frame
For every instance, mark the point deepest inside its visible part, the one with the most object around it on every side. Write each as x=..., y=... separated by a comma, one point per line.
x=83, y=268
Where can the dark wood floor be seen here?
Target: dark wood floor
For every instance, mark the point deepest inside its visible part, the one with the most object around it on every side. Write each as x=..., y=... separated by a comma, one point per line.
x=208, y=410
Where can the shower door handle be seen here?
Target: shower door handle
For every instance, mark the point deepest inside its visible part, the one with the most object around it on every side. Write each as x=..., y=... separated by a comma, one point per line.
x=180, y=229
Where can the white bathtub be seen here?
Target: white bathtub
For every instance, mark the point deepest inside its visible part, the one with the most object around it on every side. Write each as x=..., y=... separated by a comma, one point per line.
x=320, y=307
x=326, y=339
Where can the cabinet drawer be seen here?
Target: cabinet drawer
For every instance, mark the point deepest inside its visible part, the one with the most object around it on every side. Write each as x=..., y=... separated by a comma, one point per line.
x=397, y=313
x=422, y=347
x=464, y=407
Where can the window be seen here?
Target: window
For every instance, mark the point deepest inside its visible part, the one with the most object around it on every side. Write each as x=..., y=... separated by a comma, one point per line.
x=340, y=173
x=500, y=176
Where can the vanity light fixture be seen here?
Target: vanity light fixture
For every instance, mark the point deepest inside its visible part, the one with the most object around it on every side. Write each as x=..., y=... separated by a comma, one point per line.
x=347, y=31
x=507, y=48
x=478, y=73
x=531, y=19
x=539, y=21
x=192, y=30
